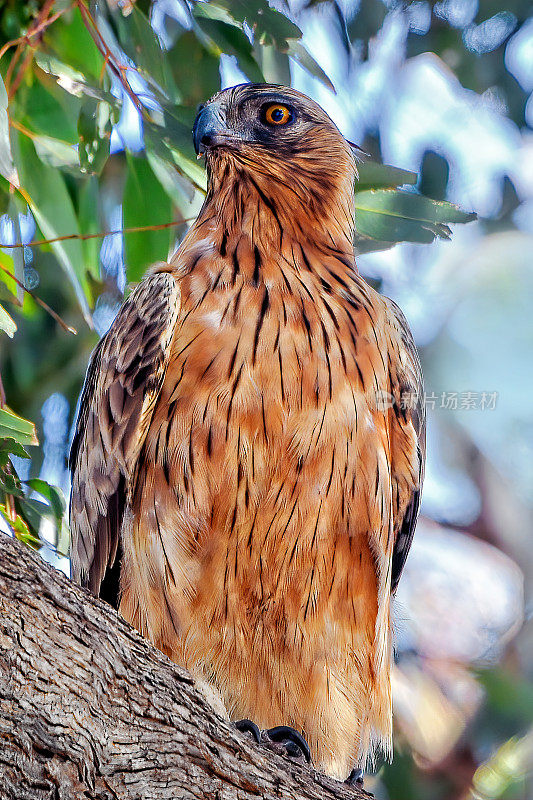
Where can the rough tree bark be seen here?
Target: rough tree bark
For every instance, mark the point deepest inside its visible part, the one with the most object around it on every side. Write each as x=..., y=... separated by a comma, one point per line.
x=88, y=709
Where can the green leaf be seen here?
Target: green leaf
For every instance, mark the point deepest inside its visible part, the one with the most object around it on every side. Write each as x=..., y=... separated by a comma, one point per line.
x=139, y=41
x=390, y=215
x=274, y=64
x=21, y=530
x=53, y=210
x=8, y=287
x=7, y=166
x=94, y=131
x=17, y=253
x=179, y=189
x=54, y=152
x=33, y=511
x=297, y=51
x=269, y=26
x=146, y=247
x=372, y=175
x=51, y=493
x=7, y=324
x=89, y=222
x=47, y=108
x=195, y=69
x=71, y=40
x=221, y=37
x=9, y=446
x=10, y=484
x=14, y=427
x=172, y=142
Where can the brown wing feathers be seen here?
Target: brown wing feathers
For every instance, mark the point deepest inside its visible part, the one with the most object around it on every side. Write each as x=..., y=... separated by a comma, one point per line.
x=122, y=383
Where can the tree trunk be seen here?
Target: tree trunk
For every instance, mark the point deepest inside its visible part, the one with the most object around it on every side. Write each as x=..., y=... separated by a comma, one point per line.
x=88, y=709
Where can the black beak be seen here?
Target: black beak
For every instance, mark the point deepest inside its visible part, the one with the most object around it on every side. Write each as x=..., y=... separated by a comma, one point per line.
x=209, y=128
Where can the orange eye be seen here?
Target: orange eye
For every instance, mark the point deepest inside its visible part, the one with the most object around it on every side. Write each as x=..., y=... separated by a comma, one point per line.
x=278, y=115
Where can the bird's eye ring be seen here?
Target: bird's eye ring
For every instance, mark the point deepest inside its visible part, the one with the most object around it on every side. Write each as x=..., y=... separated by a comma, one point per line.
x=277, y=114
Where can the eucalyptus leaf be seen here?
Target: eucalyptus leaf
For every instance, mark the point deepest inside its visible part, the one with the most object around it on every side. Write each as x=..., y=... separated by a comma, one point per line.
x=140, y=42
x=196, y=71
x=372, y=175
x=391, y=215
x=94, y=131
x=8, y=446
x=21, y=529
x=269, y=25
x=54, y=212
x=7, y=324
x=14, y=427
x=17, y=253
x=53, y=495
x=143, y=249
x=54, y=152
x=221, y=37
x=298, y=52
x=8, y=287
x=7, y=165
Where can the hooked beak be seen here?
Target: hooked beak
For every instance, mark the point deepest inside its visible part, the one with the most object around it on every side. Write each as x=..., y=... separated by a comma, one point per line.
x=209, y=129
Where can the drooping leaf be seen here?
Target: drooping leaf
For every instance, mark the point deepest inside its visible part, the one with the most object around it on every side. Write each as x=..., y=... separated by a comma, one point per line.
x=89, y=223
x=53, y=210
x=172, y=142
x=8, y=287
x=143, y=249
x=298, y=52
x=33, y=511
x=195, y=69
x=21, y=529
x=7, y=165
x=94, y=131
x=9, y=447
x=391, y=215
x=269, y=25
x=54, y=496
x=222, y=37
x=140, y=42
x=74, y=44
x=14, y=427
x=179, y=189
x=7, y=324
x=372, y=175
x=54, y=152
x=47, y=107
x=17, y=253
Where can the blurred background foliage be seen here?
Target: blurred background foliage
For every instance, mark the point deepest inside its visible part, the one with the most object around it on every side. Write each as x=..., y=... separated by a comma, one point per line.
x=97, y=102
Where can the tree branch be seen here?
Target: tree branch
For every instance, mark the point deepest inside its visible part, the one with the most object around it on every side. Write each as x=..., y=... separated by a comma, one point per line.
x=89, y=709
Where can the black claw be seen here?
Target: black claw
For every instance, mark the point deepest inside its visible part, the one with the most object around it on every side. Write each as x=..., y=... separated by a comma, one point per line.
x=247, y=726
x=355, y=778
x=293, y=741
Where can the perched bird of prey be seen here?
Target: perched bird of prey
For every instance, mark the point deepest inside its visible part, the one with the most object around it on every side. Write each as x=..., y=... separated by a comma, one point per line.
x=248, y=455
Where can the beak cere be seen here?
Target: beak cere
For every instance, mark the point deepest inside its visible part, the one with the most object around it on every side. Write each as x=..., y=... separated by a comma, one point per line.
x=209, y=129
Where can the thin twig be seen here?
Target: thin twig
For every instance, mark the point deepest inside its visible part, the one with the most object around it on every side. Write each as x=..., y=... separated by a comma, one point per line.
x=85, y=236
x=43, y=16
x=118, y=69
x=34, y=31
x=40, y=302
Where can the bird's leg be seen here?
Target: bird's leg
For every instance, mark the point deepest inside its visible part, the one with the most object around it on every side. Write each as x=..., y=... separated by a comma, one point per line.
x=355, y=778
x=281, y=739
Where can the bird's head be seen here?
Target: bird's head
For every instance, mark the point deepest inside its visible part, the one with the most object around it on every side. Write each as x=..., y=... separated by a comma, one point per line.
x=282, y=141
